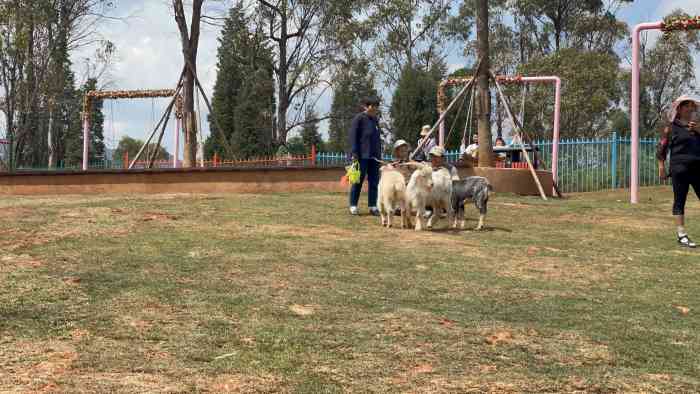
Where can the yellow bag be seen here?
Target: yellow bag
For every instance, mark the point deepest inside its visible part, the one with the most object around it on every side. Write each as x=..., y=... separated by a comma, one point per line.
x=353, y=173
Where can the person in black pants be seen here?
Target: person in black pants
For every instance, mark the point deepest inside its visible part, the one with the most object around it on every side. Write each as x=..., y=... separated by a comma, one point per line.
x=682, y=139
x=366, y=147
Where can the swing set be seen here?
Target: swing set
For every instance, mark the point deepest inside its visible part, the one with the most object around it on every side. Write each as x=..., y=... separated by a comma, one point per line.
x=176, y=103
x=677, y=24
x=502, y=80
x=130, y=95
x=517, y=127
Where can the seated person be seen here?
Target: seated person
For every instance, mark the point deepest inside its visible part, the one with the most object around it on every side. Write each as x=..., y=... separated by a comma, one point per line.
x=471, y=152
x=500, y=156
x=427, y=141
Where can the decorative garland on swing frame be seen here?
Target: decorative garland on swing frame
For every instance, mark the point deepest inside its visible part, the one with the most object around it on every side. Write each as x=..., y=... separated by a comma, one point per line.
x=124, y=94
x=681, y=23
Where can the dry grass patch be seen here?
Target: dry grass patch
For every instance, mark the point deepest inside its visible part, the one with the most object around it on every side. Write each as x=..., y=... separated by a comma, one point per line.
x=35, y=366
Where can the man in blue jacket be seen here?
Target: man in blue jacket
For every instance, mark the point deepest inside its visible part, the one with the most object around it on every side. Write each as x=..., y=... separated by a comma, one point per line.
x=366, y=147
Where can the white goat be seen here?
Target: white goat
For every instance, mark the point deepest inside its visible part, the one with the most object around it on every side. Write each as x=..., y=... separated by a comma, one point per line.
x=418, y=193
x=392, y=194
x=440, y=195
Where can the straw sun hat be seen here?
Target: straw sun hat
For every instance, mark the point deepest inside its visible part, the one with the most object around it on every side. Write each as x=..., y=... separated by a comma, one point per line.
x=674, y=107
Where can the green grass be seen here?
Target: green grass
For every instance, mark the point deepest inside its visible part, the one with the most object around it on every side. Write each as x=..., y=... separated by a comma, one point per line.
x=288, y=293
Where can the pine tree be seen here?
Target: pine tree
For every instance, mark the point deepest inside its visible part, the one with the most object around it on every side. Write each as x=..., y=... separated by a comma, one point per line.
x=243, y=100
x=414, y=103
x=309, y=133
x=69, y=145
x=73, y=138
x=354, y=83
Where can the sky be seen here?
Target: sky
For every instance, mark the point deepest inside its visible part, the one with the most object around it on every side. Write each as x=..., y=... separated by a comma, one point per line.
x=149, y=57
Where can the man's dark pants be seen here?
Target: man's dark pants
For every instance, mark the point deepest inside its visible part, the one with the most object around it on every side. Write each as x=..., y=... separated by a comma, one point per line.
x=369, y=168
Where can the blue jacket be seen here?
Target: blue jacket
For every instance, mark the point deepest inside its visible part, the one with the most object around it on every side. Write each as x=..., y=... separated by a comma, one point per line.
x=365, y=139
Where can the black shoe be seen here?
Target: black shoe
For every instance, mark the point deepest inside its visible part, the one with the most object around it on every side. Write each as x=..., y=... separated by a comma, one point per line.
x=685, y=242
x=397, y=212
x=374, y=212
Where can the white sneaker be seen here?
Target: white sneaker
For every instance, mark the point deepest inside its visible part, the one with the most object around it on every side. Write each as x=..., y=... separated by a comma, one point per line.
x=354, y=211
x=685, y=241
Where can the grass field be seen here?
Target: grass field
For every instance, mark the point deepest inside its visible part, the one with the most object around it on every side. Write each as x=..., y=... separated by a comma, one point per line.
x=287, y=293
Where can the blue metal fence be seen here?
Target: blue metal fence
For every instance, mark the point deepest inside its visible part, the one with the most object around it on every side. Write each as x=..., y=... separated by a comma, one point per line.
x=585, y=165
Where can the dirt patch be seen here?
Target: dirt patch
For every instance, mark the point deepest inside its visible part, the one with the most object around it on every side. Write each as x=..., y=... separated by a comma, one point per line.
x=35, y=366
x=239, y=383
x=302, y=310
x=499, y=337
x=125, y=382
x=12, y=262
x=14, y=213
x=615, y=220
x=558, y=269
x=158, y=216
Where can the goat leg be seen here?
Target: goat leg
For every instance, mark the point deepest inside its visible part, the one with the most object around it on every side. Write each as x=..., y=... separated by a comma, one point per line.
x=480, y=226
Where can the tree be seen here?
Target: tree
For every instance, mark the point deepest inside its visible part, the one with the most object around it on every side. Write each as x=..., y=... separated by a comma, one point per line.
x=590, y=93
x=414, y=103
x=253, y=115
x=558, y=24
x=244, y=87
x=309, y=133
x=132, y=146
x=408, y=33
x=354, y=82
x=483, y=102
x=73, y=137
x=308, y=35
x=189, y=37
x=295, y=146
x=35, y=38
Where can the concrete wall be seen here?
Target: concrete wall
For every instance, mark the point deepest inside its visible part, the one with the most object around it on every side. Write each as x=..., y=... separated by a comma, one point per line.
x=228, y=181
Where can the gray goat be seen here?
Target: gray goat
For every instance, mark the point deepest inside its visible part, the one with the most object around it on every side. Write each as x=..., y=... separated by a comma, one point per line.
x=476, y=189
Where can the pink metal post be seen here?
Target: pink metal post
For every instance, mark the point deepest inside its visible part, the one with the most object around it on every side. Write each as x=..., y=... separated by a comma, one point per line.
x=634, y=118
x=557, y=119
x=86, y=140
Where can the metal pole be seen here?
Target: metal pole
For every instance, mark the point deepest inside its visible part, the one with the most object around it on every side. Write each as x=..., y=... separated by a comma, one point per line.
x=442, y=131
x=614, y=160
x=634, y=118
x=86, y=139
x=557, y=119
x=176, y=150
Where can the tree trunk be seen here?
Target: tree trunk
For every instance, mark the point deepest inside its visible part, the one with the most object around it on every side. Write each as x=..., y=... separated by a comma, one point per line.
x=190, y=130
x=484, y=98
x=190, y=43
x=282, y=74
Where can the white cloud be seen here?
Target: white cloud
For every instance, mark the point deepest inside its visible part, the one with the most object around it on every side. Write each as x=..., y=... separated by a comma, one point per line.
x=691, y=7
